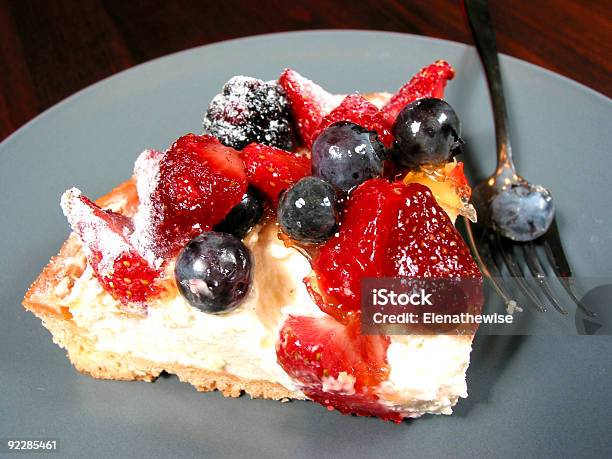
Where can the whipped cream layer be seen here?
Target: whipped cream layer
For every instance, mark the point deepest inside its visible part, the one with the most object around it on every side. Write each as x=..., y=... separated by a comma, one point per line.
x=427, y=372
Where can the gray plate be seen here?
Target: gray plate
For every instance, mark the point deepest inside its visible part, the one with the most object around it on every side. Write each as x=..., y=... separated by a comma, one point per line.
x=529, y=396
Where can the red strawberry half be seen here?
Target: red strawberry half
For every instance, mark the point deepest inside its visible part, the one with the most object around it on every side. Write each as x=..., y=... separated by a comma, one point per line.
x=356, y=109
x=336, y=365
x=308, y=101
x=388, y=230
x=121, y=270
x=192, y=187
x=429, y=82
x=273, y=170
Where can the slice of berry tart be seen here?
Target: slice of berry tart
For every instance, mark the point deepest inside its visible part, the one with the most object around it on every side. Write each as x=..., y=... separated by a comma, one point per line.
x=234, y=259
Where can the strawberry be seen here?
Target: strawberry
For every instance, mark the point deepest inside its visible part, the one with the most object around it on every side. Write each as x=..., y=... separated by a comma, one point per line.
x=308, y=102
x=336, y=365
x=121, y=270
x=388, y=230
x=194, y=185
x=273, y=170
x=429, y=82
x=356, y=109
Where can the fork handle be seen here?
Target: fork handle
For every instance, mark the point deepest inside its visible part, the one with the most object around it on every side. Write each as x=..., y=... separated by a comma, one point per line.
x=480, y=23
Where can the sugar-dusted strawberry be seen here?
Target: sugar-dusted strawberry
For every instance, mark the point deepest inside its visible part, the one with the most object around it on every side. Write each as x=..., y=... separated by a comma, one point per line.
x=358, y=110
x=335, y=365
x=308, y=102
x=191, y=188
x=273, y=170
x=429, y=82
x=388, y=230
x=121, y=270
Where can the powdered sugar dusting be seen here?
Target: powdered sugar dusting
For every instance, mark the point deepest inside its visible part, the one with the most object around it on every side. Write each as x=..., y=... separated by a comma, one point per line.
x=326, y=100
x=249, y=110
x=94, y=231
x=146, y=219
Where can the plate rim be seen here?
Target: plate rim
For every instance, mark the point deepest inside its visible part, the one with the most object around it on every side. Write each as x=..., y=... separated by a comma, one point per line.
x=424, y=38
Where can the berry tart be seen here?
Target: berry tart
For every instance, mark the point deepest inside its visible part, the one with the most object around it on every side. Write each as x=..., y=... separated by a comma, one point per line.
x=234, y=258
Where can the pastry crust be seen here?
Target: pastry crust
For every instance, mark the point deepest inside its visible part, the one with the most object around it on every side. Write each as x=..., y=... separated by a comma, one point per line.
x=44, y=300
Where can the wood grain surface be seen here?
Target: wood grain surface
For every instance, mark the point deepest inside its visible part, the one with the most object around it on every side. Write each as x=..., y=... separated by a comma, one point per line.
x=50, y=49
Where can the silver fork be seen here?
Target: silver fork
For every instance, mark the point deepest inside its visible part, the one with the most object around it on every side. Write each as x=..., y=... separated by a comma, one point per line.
x=511, y=221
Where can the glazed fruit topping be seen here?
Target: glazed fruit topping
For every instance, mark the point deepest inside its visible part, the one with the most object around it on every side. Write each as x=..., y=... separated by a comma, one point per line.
x=272, y=170
x=308, y=102
x=213, y=272
x=121, y=270
x=244, y=216
x=250, y=110
x=346, y=154
x=388, y=230
x=449, y=186
x=337, y=366
x=308, y=211
x=358, y=110
x=427, y=132
x=197, y=183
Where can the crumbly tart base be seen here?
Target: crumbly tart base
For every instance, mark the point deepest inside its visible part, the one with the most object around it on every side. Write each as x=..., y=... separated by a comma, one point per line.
x=45, y=298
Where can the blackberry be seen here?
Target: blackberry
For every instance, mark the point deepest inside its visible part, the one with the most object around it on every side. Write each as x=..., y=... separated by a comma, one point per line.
x=250, y=110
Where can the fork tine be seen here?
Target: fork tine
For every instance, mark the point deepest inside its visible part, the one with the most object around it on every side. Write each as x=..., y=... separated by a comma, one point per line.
x=487, y=267
x=558, y=261
x=516, y=272
x=537, y=271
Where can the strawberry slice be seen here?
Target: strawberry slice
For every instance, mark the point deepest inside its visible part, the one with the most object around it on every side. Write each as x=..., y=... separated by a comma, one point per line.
x=357, y=251
x=191, y=188
x=358, y=110
x=336, y=365
x=273, y=170
x=121, y=270
x=308, y=102
x=429, y=82
x=388, y=230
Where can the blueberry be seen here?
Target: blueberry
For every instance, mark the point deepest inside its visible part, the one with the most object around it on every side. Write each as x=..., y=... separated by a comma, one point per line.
x=522, y=212
x=345, y=154
x=308, y=211
x=250, y=110
x=213, y=272
x=427, y=131
x=243, y=216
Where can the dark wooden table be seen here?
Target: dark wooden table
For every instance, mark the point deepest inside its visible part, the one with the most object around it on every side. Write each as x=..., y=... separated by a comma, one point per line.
x=51, y=48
